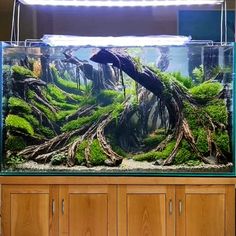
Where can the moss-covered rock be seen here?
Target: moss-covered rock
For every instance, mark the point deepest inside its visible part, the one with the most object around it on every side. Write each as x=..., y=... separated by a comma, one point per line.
x=222, y=140
x=15, y=143
x=15, y=122
x=217, y=110
x=18, y=105
x=32, y=120
x=98, y=157
x=80, y=156
x=206, y=91
x=58, y=159
x=47, y=132
x=48, y=113
x=20, y=72
x=56, y=93
x=201, y=140
x=106, y=97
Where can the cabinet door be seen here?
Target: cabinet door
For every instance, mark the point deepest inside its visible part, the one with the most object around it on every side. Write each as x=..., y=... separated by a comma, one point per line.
x=29, y=210
x=205, y=210
x=87, y=210
x=146, y=210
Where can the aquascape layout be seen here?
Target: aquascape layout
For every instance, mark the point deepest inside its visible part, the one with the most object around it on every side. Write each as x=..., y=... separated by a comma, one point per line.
x=136, y=109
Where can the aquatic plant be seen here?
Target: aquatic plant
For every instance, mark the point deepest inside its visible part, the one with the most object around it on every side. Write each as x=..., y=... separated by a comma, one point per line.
x=46, y=131
x=20, y=72
x=14, y=161
x=15, y=143
x=106, y=97
x=56, y=93
x=206, y=91
x=186, y=81
x=97, y=155
x=198, y=73
x=32, y=119
x=18, y=105
x=153, y=140
x=50, y=115
x=58, y=159
x=15, y=122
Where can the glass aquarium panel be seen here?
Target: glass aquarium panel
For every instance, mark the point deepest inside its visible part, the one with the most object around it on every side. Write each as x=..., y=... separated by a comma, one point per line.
x=164, y=110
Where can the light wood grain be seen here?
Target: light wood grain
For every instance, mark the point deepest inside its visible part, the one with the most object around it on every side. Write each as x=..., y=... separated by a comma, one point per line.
x=111, y=180
x=145, y=211
x=205, y=211
x=88, y=211
x=26, y=211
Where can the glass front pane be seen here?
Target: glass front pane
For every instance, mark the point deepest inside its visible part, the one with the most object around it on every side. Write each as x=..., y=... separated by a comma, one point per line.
x=136, y=110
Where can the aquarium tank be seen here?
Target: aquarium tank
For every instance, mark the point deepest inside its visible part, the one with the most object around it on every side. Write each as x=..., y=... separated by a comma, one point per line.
x=125, y=109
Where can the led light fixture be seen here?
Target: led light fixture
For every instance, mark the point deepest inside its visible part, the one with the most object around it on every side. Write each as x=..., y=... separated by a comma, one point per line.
x=119, y=3
x=123, y=41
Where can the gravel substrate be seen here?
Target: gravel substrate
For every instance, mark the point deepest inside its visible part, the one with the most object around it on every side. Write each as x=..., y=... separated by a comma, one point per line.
x=128, y=165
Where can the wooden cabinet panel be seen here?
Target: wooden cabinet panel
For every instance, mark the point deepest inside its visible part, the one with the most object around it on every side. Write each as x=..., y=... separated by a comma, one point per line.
x=146, y=211
x=26, y=211
x=205, y=210
x=88, y=211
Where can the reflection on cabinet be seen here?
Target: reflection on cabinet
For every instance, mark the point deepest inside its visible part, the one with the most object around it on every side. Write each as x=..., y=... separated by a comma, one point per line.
x=146, y=210
x=26, y=211
x=87, y=210
x=205, y=210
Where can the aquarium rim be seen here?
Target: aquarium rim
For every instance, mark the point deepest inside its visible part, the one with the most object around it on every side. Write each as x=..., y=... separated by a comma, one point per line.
x=119, y=3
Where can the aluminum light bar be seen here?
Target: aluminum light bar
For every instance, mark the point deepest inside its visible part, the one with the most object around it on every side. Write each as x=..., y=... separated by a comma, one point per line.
x=119, y=3
x=124, y=41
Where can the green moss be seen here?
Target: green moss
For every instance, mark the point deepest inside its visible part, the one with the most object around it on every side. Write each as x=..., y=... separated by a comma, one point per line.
x=58, y=159
x=76, y=124
x=198, y=73
x=56, y=93
x=193, y=163
x=61, y=115
x=217, y=110
x=97, y=155
x=66, y=85
x=49, y=114
x=186, y=81
x=206, y=91
x=15, y=143
x=154, y=140
x=14, y=122
x=201, y=140
x=47, y=132
x=30, y=94
x=151, y=156
x=191, y=115
x=32, y=120
x=107, y=97
x=80, y=156
x=222, y=140
x=20, y=72
x=185, y=154
x=18, y=105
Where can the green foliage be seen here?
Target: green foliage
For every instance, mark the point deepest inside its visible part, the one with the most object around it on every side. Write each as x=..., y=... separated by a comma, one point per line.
x=61, y=115
x=206, y=91
x=154, y=140
x=217, y=110
x=201, y=140
x=97, y=155
x=58, y=159
x=20, y=72
x=198, y=73
x=152, y=155
x=186, y=81
x=138, y=63
x=66, y=85
x=32, y=120
x=13, y=161
x=15, y=143
x=46, y=131
x=30, y=94
x=56, y=93
x=76, y=124
x=193, y=163
x=49, y=114
x=191, y=114
x=18, y=105
x=221, y=139
x=106, y=97
x=185, y=154
x=14, y=122
x=80, y=156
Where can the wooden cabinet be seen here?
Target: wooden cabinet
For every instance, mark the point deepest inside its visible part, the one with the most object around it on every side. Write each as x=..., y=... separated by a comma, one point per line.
x=205, y=210
x=26, y=211
x=87, y=210
x=146, y=210
x=188, y=210
x=118, y=210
